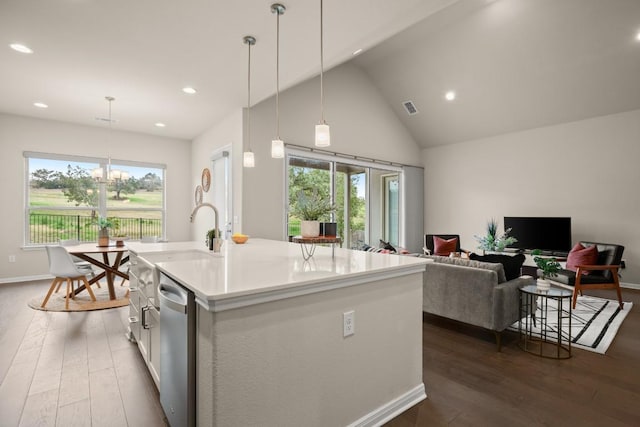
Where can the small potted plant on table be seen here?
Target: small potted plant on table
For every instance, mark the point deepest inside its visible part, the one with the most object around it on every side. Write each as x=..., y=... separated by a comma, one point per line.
x=104, y=224
x=549, y=267
x=310, y=208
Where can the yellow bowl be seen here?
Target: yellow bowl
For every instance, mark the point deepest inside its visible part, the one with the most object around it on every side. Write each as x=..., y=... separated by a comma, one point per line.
x=240, y=239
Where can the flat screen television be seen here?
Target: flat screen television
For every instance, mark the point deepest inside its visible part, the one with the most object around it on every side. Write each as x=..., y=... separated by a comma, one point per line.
x=551, y=234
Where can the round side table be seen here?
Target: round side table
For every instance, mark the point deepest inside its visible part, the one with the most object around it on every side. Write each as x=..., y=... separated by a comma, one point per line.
x=542, y=316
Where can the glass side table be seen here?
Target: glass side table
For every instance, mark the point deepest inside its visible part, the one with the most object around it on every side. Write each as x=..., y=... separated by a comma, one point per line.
x=542, y=334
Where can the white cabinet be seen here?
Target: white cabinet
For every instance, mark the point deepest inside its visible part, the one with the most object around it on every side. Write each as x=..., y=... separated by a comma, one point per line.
x=144, y=315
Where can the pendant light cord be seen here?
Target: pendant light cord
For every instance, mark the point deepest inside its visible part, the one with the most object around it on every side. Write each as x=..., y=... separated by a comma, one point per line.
x=321, y=66
x=249, y=97
x=278, y=75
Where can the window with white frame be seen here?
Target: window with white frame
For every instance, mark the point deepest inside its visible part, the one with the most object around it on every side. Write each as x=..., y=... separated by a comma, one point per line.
x=64, y=196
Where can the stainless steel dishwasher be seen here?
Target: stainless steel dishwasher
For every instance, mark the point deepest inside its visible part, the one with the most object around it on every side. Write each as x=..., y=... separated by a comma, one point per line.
x=177, y=353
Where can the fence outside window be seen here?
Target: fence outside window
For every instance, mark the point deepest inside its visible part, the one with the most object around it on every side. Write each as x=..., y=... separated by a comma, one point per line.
x=48, y=228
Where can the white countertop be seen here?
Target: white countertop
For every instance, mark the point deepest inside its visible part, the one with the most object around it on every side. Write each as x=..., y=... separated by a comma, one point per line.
x=267, y=270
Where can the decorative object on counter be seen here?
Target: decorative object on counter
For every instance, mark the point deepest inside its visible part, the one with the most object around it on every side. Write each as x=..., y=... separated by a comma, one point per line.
x=206, y=179
x=248, y=158
x=239, y=238
x=212, y=235
x=310, y=208
x=277, y=145
x=329, y=229
x=549, y=266
x=493, y=242
x=198, y=195
x=104, y=224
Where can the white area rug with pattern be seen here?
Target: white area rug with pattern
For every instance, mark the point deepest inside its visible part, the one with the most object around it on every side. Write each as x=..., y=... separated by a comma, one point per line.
x=594, y=322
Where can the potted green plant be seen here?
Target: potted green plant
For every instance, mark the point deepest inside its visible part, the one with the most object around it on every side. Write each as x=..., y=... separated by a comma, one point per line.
x=549, y=267
x=492, y=242
x=310, y=208
x=104, y=224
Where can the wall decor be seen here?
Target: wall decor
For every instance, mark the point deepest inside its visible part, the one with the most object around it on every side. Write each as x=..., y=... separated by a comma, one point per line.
x=198, y=195
x=206, y=179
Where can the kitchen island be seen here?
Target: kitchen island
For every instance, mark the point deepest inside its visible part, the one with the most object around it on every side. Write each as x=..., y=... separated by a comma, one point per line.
x=272, y=342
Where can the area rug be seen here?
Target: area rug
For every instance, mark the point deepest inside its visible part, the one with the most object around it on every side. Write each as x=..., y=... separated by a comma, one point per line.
x=594, y=322
x=82, y=301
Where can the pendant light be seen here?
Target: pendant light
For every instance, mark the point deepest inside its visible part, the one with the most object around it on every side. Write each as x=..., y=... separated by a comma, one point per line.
x=277, y=145
x=248, y=159
x=323, y=136
x=109, y=175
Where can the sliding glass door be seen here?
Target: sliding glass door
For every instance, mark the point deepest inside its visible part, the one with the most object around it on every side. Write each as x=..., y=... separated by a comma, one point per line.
x=366, y=196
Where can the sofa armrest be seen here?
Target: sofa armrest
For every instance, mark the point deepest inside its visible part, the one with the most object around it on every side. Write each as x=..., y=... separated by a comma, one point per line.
x=506, y=300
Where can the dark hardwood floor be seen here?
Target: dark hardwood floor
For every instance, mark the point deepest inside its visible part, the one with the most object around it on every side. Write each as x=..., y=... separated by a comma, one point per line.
x=78, y=369
x=468, y=383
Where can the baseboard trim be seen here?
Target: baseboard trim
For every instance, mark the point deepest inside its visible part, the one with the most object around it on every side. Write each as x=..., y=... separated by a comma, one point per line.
x=392, y=408
x=25, y=278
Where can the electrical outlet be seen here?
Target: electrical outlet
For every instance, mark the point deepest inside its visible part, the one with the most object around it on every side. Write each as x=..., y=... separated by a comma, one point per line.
x=12, y=258
x=348, y=325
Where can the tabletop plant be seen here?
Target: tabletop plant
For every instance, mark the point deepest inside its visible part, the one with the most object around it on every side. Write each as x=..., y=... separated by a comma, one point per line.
x=548, y=265
x=311, y=206
x=493, y=242
x=104, y=223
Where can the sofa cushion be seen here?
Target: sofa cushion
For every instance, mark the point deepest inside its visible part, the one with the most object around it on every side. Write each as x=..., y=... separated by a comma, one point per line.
x=444, y=247
x=511, y=264
x=464, y=262
x=581, y=255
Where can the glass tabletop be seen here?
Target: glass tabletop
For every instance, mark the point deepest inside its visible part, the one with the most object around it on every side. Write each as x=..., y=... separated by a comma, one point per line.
x=553, y=292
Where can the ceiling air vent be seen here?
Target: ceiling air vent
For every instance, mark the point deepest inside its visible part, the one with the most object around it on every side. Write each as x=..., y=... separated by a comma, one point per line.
x=410, y=107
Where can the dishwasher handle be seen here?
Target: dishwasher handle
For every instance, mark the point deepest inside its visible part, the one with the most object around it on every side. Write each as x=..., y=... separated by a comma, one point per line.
x=173, y=297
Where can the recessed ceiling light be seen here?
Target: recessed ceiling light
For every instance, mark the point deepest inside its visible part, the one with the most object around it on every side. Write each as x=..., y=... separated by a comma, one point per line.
x=357, y=52
x=189, y=90
x=638, y=36
x=40, y=105
x=160, y=125
x=450, y=95
x=20, y=48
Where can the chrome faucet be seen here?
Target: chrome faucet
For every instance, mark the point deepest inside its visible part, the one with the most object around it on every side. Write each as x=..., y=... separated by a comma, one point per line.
x=216, y=240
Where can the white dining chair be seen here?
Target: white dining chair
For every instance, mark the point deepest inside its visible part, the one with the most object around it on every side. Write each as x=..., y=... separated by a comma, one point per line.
x=84, y=266
x=62, y=267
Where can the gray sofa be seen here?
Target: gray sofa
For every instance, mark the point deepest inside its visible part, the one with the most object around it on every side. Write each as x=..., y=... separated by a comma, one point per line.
x=472, y=292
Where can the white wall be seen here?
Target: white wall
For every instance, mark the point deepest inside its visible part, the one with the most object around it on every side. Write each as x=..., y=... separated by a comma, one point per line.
x=588, y=170
x=226, y=133
x=18, y=134
x=361, y=123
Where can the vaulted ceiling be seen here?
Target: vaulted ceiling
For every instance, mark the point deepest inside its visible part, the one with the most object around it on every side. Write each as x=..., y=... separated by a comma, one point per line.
x=514, y=64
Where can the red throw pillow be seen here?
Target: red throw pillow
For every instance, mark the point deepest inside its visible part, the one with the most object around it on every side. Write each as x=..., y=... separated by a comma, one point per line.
x=580, y=255
x=444, y=247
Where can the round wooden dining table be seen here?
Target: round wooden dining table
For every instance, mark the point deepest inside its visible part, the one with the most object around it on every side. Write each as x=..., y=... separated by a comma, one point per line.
x=110, y=266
